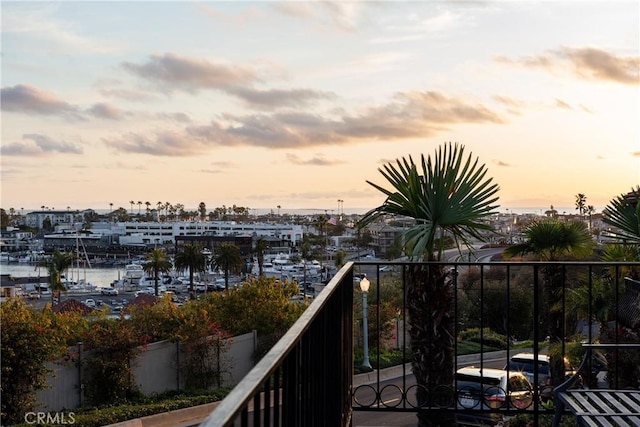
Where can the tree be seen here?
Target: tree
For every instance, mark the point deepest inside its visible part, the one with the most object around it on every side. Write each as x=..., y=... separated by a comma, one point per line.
x=259, y=249
x=623, y=213
x=131, y=202
x=190, y=257
x=228, y=259
x=139, y=207
x=202, y=209
x=549, y=240
x=581, y=204
x=340, y=258
x=29, y=339
x=56, y=265
x=446, y=195
x=156, y=262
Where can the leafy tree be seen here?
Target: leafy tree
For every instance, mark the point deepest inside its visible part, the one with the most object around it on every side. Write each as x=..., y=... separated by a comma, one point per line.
x=265, y=308
x=156, y=262
x=111, y=345
x=47, y=225
x=259, y=249
x=190, y=257
x=446, y=195
x=202, y=340
x=29, y=339
x=339, y=260
x=395, y=250
x=4, y=219
x=202, y=210
x=155, y=322
x=228, y=259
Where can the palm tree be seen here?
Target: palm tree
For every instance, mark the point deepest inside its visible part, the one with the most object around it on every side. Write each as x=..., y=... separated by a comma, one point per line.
x=131, y=202
x=228, y=259
x=623, y=213
x=56, y=265
x=191, y=257
x=581, y=204
x=156, y=262
x=550, y=240
x=139, y=207
x=259, y=248
x=447, y=196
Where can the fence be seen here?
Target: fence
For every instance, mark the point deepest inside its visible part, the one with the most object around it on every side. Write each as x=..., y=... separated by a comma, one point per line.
x=156, y=370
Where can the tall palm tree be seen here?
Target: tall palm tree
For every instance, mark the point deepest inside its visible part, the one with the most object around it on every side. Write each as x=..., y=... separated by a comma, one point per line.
x=56, y=265
x=190, y=257
x=156, y=262
x=550, y=240
x=259, y=248
x=228, y=259
x=448, y=196
x=139, y=207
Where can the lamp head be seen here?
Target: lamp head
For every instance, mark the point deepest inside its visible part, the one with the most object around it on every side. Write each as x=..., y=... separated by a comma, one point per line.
x=364, y=284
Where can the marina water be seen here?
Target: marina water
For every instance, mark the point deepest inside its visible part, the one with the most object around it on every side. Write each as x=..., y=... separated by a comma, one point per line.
x=100, y=277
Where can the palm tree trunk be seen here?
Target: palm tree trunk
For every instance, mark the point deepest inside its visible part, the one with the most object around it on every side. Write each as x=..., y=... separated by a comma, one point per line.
x=430, y=302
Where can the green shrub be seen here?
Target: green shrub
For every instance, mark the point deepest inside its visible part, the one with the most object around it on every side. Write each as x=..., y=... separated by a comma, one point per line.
x=489, y=337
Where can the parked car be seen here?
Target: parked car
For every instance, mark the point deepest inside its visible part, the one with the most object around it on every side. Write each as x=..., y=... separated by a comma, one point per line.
x=34, y=295
x=486, y=389
x=523, y=362
x=108, y=291
x=90, y=302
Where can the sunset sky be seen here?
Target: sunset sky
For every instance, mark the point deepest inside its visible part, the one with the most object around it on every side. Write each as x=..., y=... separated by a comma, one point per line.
x=297, y=104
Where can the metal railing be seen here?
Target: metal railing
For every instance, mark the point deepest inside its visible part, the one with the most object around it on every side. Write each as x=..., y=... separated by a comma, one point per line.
x=307, y=379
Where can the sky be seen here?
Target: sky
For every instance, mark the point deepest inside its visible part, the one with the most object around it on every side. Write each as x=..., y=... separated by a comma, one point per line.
x=297, y=104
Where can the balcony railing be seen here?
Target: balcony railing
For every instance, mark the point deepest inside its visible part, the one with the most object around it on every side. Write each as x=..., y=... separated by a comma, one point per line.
x=307, y=379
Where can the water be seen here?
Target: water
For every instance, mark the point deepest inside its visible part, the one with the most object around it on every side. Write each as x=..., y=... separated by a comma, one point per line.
x=100, y=277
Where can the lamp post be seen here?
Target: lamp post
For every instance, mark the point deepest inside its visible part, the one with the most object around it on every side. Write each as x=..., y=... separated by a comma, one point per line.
x=364, y=287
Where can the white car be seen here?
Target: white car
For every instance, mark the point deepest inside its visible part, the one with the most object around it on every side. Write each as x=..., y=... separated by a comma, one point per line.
x=90, y=303
x=108, y=291
x=487, y=389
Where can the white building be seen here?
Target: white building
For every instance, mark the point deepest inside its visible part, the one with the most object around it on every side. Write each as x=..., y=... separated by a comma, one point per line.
x=162, y=233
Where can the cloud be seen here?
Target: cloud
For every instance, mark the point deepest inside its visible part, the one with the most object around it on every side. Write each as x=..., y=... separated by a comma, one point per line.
x=103, y=110
x=343, y=16
x=561, y=104
x=587, y=63
x=29, y=99
x=408, y=115
x=191, y=74
x=279, y=97
x=165, y=143
x=39, y=145
x=317, y=160
x=176, y=117
x=508, y=101
x=501, y=163
x=636, y=154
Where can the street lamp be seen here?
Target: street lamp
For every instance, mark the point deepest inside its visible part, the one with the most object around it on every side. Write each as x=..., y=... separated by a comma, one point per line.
x=364, y=287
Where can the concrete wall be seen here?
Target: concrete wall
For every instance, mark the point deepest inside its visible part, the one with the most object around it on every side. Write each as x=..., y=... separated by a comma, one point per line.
x=156, y=369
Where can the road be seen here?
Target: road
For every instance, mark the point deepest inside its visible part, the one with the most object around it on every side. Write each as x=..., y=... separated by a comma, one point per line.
x=391, y=395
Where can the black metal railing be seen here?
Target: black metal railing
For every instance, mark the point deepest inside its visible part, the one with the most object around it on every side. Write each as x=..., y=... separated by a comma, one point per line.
x=308, y=378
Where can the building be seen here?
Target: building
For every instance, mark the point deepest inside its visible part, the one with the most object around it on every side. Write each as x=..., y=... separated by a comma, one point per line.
x=36, y=219
x=166, y=233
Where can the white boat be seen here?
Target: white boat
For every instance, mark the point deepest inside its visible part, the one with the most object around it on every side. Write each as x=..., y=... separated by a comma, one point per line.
x=133, y=272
